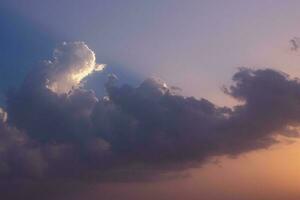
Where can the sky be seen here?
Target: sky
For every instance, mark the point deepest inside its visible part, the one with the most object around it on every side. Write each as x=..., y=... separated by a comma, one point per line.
x=57, y=61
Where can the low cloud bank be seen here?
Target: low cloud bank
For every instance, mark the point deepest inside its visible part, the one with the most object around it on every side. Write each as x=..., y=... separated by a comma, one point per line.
x=56, y=130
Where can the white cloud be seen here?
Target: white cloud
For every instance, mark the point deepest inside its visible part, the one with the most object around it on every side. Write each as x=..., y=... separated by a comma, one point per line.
x=3, y=115
x=71, y=63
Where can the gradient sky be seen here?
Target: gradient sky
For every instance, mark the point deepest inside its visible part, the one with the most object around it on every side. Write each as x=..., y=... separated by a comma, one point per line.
x=196, y=45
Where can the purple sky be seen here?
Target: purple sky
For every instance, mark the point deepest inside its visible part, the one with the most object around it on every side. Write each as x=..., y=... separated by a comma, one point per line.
x=195, y=45
x=185, y=43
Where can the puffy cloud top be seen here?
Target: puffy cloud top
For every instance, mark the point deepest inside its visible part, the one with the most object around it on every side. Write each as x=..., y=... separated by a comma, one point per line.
x=3, y=115
x=71, y=63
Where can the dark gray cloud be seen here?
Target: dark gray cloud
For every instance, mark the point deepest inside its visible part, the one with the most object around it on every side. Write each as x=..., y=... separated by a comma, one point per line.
x=294, y=42
x=136, y=132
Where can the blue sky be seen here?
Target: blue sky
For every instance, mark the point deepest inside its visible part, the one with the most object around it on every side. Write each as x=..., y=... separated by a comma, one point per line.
x=185, y=43
x=22, y=45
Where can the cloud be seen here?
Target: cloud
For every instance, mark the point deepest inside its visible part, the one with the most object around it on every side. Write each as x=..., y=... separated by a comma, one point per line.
x=70, y=134
x=294, y=42
x=71, y=63
x=3, y=115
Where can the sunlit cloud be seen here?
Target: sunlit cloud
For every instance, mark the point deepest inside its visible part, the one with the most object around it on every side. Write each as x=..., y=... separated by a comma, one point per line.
x=3, y=115
x=72, y=62
x=56, y=130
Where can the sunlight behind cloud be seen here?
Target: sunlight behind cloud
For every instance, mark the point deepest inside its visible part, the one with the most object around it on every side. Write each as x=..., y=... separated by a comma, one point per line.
x=72, y=63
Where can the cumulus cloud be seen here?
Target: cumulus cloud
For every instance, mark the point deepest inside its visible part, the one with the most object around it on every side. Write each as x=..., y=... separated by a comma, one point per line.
x=135, y=132
x=71, y=63
x=3, y=115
